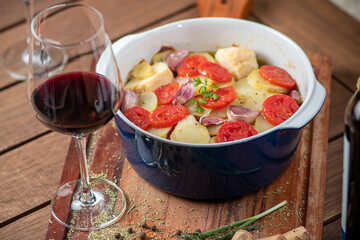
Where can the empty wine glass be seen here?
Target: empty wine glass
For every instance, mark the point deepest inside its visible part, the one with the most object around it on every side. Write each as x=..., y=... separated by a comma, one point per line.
x=77, y=100
x=15, y=58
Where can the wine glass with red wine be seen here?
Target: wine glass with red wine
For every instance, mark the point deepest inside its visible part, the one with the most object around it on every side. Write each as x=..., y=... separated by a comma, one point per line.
x=77, y=100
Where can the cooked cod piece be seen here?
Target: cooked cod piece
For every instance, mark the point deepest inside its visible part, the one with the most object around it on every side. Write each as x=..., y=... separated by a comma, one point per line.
x=238, y=61
x=161, y=75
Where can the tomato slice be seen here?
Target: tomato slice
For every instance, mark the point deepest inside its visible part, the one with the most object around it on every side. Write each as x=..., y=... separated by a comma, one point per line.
x=277, y=76
x=278, y=108
x=165, y=94
x=167, y=115
x=225, y=96
x=235, y=130
x=190, y=66
x=215, y=72
x=139, y=116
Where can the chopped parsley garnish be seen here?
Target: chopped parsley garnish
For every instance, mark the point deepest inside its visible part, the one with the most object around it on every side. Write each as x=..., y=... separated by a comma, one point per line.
x=204, y=93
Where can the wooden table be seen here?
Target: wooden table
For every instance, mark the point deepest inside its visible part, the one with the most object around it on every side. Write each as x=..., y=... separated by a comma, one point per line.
x=32, y=157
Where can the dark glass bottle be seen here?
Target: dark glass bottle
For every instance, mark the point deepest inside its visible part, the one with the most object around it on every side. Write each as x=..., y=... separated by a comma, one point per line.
x=350, y=218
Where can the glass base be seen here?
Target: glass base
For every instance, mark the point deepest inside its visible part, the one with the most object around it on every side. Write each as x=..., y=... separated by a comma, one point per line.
x=15, y=60
x=108, y=205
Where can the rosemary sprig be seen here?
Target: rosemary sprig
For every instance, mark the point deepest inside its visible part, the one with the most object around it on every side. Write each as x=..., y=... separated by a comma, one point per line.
x=227, y=231
x=205, y=94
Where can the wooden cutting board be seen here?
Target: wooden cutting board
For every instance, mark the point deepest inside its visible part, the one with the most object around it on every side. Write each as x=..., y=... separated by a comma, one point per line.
x=302, y=185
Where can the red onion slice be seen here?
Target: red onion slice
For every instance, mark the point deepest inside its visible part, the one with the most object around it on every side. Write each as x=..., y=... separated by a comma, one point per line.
x=185, y=92
x=296, y=96
x=174, y=59
x=207, y=121
x=240, y=114
x=130, y=99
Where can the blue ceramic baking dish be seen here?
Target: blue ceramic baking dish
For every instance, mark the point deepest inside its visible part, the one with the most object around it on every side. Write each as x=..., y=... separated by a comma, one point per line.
x=217, y=170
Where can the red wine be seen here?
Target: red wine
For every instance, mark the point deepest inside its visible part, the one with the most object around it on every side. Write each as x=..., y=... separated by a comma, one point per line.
x=75, y=103
x=350, y=216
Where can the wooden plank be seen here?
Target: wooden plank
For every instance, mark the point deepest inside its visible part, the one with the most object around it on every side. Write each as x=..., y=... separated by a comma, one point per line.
x=29, y=174
x=334, y=180
x=317, y=26
x=17, y=122
x=191, y=12
x=316, y=194
x=332, y=230
x=136, y=15
x=32, y=226
x=301, y=185
x=13, y=12
x=339, y=99
x=8, y=38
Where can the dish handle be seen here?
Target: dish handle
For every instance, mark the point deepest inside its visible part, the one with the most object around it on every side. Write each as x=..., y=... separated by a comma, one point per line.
x=316, y=102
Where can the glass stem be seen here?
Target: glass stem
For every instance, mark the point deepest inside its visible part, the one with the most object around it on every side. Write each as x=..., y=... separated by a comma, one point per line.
x=29, y=14
x=87, y=196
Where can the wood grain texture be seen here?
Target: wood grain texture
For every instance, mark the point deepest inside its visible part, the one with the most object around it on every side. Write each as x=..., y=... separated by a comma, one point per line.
x=17, y=122
x=317, y=26
x=13, y=12
x=339, y=99
x=30, y=174
x=332, y=231
x=8, y=38
x=136, y=15
x=301, y=185
x=319, y=148
x=334, y=180
x=30, y=227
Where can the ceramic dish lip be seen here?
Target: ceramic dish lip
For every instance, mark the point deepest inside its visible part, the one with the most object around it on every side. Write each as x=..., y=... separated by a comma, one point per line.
x=312, y=82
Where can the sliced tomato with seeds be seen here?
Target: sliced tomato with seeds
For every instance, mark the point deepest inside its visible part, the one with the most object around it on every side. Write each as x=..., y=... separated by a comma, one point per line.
x=224, y=96
x=235, y=130
x=139, y=116
x=215, y=72
x=167, y=115
x=278, y=108
x=277, y=76
x=165, y=94
x=190, y=66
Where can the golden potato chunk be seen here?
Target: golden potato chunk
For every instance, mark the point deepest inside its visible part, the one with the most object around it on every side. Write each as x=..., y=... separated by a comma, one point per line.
x=250, y=97
x=256, y=81
x=190, y=131
x=142, y=70
x=148, y=101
